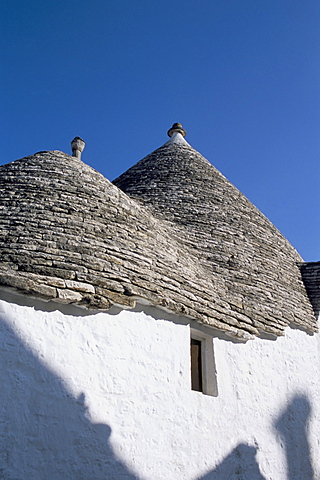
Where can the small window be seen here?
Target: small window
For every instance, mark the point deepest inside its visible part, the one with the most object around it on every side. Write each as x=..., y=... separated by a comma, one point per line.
x=196, y=365
x=203, y=370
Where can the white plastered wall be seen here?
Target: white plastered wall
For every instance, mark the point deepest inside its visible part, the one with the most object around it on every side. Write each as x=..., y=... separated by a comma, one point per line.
x=103, y=396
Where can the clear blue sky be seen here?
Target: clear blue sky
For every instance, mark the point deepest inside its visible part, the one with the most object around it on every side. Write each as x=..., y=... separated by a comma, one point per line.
x=242, y=76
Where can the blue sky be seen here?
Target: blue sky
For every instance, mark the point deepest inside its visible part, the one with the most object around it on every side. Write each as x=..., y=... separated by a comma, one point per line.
x=242, y=76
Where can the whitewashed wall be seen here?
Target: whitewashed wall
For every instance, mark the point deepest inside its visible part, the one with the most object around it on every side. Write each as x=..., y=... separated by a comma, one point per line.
x=108, y=397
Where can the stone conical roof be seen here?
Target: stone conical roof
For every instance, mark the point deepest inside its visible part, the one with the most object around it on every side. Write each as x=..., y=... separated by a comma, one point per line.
x=171, y=231
x=255, y=267
x=68, y=234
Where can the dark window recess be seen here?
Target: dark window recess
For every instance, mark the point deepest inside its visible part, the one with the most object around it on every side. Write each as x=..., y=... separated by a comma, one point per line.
x=196, y=365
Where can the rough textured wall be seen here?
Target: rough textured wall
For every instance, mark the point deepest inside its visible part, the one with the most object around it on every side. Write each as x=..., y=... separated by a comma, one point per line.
x=108, y=397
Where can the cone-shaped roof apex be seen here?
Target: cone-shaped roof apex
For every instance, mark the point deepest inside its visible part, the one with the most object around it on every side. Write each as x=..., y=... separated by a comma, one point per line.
x=177, y=128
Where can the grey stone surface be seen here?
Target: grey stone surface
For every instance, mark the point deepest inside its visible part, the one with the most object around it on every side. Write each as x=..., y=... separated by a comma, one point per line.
x=77, y=147
x=171, y=230
x=311, y=277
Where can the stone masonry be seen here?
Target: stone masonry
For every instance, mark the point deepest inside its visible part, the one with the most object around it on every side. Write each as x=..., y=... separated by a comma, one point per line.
x=171, y=231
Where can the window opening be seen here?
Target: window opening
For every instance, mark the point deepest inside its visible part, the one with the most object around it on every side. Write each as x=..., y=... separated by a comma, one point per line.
x=196, y=365
x=203, y=368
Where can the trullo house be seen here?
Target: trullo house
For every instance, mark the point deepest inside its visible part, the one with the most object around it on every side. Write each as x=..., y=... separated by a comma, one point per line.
x=157, y=327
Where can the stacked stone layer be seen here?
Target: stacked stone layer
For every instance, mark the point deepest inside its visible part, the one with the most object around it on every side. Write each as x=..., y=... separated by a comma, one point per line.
x=252, y=267
x=196, y=249
x=311, y=278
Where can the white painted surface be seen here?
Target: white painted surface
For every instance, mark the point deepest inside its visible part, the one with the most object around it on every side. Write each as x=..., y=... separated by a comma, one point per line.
x=67, y=380
x=177, y=138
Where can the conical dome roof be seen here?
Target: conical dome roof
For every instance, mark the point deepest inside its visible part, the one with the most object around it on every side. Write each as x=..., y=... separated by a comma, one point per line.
x=171, y=231
x=255, y=267
x=68, y=234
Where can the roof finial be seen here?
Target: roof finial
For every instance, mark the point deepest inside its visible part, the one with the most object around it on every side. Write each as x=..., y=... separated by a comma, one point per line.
x=77, y=146
x=177, y=128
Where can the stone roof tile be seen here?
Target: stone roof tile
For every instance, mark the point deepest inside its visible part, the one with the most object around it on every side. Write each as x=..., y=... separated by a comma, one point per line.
x=311, y=278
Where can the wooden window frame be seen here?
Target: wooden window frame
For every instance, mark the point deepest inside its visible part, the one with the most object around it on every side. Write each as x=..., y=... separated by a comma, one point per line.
x=202, y=364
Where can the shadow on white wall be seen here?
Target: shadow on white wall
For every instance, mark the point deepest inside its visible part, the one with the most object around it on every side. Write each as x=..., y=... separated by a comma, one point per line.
x=45, y=432
x=292, y=425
